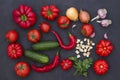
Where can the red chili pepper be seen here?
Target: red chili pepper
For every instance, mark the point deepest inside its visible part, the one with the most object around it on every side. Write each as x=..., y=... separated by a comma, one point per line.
x=72, y=43
x=48, y=67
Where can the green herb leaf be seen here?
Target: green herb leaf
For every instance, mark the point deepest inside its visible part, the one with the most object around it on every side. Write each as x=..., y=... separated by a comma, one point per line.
x=82, y=66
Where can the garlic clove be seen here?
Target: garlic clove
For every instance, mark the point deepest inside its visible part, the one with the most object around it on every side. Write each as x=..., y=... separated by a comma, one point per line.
x=77, y=52
x=78, y=56
x=92, y=35
x=106, y=36
x=74, y=26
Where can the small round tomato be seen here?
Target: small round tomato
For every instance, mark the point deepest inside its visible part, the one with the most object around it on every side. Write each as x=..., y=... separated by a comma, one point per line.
x=12, y=36
x=49, y=12
x=87, y=30
x=22, y=69
x=63, y=22
x=101, y=67
x=15, y=50
x=34, y=36
x=45, y=27
x=66, y=64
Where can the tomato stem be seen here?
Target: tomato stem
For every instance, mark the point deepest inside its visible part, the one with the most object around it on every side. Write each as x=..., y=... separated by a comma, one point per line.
x=32, y=36
x=24, y=17
x=49, y=12
x=64, y=25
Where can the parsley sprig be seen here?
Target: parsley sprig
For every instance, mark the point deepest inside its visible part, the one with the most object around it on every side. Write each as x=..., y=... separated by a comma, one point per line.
x=82, y=66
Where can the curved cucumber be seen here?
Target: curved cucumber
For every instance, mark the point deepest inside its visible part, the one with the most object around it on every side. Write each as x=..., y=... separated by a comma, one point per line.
x=42, y=58
x=48, y=45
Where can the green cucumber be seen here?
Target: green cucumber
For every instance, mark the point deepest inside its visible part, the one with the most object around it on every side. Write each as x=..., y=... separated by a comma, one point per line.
x=38, y=57
x=47, y=45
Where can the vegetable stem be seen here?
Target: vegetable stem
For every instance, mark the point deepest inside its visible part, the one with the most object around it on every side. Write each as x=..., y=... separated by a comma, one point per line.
x=24, y=17
x=97, y=17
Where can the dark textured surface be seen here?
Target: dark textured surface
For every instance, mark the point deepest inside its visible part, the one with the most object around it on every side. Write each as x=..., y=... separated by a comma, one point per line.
x=7, y=23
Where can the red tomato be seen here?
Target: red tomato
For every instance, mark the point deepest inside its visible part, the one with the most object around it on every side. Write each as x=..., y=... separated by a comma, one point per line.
x=22, y=69
x=12, y=36
x=63, y=22
x=34, y=36
x=24, y=16
x=50, y=12
x=14, y=50
x=87, y=30
x=66, y=64
x=45, y=27
x=104, y=47
x=101, y=67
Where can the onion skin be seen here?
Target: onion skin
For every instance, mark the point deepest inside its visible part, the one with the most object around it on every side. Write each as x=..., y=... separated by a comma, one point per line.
x=72, y=13
x=84, y=16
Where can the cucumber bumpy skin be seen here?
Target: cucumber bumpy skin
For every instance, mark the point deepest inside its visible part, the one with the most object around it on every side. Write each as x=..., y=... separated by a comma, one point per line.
x=38, y=57
x=47, y=45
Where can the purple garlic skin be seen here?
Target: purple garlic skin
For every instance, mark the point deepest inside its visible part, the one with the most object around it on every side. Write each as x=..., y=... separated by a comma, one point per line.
x=102, y=13
x=106, y=23
x=92, y=35
x=106, y=36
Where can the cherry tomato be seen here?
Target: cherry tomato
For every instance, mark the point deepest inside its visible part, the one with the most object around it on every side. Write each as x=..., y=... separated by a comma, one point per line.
x=22, y=69
x=87, y=30
x=15, y=50
x=45, y=27
x=63, y=22
x=34, y=36
x=12, y=36
x=66, y=64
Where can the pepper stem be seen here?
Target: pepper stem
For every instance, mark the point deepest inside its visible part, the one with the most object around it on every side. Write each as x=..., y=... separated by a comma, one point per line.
x=69, y=33
x=58, y=52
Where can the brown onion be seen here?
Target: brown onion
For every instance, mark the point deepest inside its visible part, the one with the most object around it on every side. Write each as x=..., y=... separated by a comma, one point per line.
x=84, y=16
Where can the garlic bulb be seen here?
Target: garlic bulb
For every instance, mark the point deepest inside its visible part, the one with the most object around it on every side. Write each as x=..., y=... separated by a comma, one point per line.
x=102, y=13
x=105, y=23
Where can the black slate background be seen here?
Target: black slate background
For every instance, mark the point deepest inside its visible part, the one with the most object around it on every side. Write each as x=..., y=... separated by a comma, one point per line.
x=7, y=23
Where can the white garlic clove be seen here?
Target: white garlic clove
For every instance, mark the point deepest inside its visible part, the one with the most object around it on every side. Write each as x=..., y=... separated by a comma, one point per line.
x=93, y=44
x=81, y=42
x=78, y=56
x=78, y=45
x=81, y=50
x=87, y=55
x=85, y=50
x=77, y=52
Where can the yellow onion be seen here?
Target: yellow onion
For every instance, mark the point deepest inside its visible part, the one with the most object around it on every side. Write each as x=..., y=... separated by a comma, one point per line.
x=84, y=16
x=72, y=13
